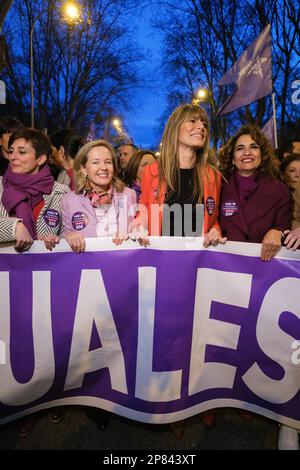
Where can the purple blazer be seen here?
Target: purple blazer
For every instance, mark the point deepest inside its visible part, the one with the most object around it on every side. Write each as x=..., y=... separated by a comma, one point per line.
x=270, y=206
x=78, y=214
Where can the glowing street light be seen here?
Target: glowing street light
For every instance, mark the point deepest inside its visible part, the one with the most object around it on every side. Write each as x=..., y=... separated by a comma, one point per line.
x=71, y=12
x=204, y=95
x=72, y=15
x=118, y=126
x=116, y=123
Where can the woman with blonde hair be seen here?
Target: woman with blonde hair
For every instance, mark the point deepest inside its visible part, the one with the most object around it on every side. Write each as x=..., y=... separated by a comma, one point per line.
x=185, y=178
x=185, y=181
x=101, y=206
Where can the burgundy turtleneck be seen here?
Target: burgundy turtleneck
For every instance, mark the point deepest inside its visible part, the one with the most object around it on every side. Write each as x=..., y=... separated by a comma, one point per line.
x=246, y=186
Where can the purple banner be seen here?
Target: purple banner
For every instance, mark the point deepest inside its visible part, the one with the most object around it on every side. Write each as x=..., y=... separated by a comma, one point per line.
x=152, y=334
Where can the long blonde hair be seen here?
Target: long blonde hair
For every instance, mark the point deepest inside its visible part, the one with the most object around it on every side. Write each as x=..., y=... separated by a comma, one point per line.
x=169, y=160
x=81, y=159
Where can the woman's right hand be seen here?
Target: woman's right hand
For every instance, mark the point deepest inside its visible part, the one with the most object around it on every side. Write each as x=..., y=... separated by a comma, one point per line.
x=76, y=241
x=140, y=234
x=213, y=237
x=23, y=238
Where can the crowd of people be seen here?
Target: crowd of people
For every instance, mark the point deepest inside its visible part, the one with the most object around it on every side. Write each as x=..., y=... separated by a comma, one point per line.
x=63, y=187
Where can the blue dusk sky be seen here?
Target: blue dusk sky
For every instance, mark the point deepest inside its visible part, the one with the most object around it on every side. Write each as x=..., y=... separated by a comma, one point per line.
x=141, y=122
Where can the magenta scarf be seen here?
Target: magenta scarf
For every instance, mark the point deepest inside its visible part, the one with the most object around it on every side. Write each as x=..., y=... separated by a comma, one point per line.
x=22, y=192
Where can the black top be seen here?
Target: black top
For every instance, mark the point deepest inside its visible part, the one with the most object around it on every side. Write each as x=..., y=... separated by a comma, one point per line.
x=180, y=217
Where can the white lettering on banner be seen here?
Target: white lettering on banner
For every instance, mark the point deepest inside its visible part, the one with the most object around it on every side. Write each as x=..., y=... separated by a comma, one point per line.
x=2, y=352
x=275, y=343
x=151, y=386
x=93, y=308
x=296, y=354
x=296, y=93
x=13, y=393
x=213, y=285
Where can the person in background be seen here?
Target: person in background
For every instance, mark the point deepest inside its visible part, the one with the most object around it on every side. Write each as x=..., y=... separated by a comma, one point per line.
x=101, y=206
x=65, y=145
x=7, y=126
x=135, y=169
x=124, y=154
x=290, y=171
x=255, y=206
x=289, y=146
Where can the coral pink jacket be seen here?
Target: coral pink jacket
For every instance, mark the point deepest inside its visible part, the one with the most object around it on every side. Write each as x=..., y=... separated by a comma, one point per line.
x=150, y=210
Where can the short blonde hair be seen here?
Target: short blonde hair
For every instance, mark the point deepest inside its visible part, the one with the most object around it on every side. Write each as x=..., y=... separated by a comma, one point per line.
x=81, y=159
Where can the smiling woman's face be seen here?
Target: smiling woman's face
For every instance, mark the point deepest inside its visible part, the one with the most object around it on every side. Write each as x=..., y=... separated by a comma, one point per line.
x=22, y=157
x=99, y=168
x=192, y=133
x=246, y=155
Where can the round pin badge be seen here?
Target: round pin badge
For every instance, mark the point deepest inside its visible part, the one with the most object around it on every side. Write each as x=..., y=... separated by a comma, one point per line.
x=79, y=220
x=51, y=217
x=229, y=208
x=210, y=205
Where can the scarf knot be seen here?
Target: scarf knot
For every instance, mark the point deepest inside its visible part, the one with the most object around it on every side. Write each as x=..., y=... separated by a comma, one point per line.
x=102, y=198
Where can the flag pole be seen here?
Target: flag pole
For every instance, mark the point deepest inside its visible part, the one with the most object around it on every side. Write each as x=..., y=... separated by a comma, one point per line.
x=274, y=119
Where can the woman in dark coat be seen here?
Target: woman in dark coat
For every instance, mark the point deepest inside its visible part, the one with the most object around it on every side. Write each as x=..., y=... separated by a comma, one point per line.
x=255, y=206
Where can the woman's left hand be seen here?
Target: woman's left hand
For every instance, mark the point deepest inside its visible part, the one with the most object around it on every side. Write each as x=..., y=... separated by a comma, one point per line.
x=270, y=245
x=213, y=237
x=50, y=241
x=119, y=238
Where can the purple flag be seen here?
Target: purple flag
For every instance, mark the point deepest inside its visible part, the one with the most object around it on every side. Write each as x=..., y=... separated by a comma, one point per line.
x=252, y=73
x=269, y=131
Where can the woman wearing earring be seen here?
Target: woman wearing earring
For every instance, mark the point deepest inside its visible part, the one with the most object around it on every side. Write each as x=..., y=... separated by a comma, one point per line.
x=255, y=206
x=184, y=177
x=101, y=206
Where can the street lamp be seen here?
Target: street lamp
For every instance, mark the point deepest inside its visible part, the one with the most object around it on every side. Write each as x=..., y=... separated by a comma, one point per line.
x=118, y=126
x=72, y=15
x=117, y=123
x=205, y=95
x=71, y=12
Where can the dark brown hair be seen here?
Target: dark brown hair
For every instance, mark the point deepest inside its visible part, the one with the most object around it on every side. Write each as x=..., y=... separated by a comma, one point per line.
x=38, y=140
x=269, y=163
x=288, y=160
x=131, y=170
